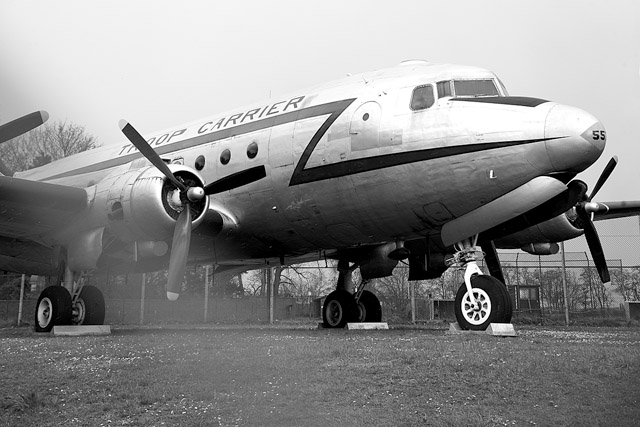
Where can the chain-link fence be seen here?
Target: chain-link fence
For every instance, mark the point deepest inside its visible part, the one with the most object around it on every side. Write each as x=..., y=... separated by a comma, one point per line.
x=536, y=285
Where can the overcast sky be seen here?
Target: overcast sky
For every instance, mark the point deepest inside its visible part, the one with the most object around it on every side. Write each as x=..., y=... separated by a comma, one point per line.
x=162, y=63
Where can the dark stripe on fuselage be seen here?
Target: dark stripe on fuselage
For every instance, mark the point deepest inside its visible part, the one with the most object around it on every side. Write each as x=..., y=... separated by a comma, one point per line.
x=334, y=108
x=367, y=164
x=521, y=101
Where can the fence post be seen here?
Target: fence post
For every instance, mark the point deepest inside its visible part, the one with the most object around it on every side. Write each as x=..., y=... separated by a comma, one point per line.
x=412, y=291
x=142, y=291
x=564, y=285
x=270, y=295
x=21, y=299
x=206, y=292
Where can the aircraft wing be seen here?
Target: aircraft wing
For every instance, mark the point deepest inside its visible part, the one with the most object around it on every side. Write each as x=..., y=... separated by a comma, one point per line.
x=31, y=208
x=618, y=210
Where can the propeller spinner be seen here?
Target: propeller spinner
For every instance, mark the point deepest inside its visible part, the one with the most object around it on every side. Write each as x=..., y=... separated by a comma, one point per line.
x=186, y=196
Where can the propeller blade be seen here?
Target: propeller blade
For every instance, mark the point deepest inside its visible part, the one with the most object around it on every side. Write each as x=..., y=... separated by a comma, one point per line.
x=593, y=241
x=22, y=125
x=179, y=253
x=604, y=176
x=236, y=180
x=139, y=142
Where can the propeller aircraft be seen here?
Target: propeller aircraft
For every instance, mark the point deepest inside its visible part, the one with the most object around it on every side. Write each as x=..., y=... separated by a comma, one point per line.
x=433, y=165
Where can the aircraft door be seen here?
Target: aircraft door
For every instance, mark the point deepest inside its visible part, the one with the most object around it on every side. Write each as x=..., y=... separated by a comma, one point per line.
x=365, y=127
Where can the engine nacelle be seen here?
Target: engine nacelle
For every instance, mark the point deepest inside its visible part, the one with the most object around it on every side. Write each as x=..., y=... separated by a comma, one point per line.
x=541, y=248
x=143, y=205
x=561, y=228
x=133, y=214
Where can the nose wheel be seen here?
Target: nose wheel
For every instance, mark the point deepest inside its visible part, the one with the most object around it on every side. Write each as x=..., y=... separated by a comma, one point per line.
x=481, y=299
x=490, y=304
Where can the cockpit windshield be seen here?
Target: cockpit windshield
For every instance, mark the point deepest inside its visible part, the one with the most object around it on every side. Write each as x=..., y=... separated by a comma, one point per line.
x=469, y=88
x=475, y=88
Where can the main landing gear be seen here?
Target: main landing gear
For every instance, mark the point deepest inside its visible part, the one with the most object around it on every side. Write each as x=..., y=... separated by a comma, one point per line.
x=57, y=306
x=481, y=299
x=348, y=303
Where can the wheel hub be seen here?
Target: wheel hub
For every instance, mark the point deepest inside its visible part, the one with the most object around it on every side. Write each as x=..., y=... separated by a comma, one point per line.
x=478, y=312
x=334, y=313
x=78, y=312
x=45, y=311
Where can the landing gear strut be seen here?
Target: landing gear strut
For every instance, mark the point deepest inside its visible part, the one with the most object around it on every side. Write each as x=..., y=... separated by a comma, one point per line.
x=482, y=299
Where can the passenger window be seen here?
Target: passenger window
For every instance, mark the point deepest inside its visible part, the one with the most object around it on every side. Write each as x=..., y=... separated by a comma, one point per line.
x=225, y=157
x=444, y=89
x=200, y=162
x=422, y=97
x=252, y=150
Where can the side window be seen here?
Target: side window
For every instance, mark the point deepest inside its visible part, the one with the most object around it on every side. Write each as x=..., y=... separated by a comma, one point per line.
x=422, y=97
x=444, y=89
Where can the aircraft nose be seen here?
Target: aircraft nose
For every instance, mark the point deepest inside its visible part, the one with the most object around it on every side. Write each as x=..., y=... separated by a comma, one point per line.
x=575, y=138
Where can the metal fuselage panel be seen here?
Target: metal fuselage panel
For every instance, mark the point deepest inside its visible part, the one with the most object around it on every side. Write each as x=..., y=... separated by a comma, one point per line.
x=348, y=163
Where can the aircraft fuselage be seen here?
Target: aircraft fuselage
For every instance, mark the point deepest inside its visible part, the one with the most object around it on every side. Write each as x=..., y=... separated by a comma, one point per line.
x=385, y=156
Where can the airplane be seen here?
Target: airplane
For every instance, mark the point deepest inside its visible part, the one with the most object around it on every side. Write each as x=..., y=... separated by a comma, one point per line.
x=432, y=165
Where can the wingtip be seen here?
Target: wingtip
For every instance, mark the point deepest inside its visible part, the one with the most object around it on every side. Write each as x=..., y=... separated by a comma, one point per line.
x=172, y=296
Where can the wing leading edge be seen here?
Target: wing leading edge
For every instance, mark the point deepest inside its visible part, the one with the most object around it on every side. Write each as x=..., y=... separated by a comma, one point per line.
x=619, y=209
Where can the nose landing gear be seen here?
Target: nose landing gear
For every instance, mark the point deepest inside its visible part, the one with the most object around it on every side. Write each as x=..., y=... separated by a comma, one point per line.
x=481, y=299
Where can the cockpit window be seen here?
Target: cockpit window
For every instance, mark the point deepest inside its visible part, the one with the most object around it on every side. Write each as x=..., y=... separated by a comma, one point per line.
x=422, y=97
x=503, y=87
x=475, y=88
x=444, y=89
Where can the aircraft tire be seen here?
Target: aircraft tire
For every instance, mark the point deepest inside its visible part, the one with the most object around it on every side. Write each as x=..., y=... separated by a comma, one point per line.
x=339, y=308
x=508, y=309
x=369, y=308
x=90, y=306
x=53, y=308
x=493, y=303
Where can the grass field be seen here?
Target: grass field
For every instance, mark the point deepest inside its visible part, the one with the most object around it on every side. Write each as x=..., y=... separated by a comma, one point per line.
x=293, y=375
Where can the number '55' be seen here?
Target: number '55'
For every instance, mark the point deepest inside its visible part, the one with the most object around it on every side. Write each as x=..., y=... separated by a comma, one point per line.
x=599, y=134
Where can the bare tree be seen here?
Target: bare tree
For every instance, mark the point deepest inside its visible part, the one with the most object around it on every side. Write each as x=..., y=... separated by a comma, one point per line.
x=49, y=142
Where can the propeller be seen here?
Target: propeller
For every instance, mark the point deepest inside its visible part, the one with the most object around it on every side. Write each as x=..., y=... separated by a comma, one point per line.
x=22, y=125
x=187, y=195
x=16, y=128
x=585, y=211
